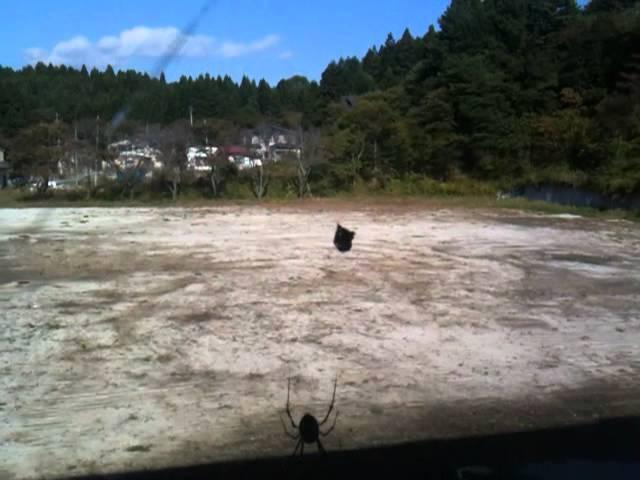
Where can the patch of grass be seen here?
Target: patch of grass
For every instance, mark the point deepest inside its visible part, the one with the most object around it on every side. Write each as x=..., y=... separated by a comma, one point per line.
x=10, y=198
x=412, y=191
x=165, y=358
x=13, y=200
x=376, y=410
x=555, y=209
x=194, y=317
x=108, y=297
x=139, y=448
x=69, y=304
x=425, y=186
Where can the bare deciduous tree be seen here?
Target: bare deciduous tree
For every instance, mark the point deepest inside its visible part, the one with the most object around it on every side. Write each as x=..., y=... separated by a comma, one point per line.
x=259, y=179
x=130, y=178
x=173, y=143
x=39, y=149
x=310, y=155
x=217, y=163
x=173, y=173
x=356, y=161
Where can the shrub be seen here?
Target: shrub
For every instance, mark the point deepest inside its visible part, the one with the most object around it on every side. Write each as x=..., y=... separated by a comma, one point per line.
x=422, y=185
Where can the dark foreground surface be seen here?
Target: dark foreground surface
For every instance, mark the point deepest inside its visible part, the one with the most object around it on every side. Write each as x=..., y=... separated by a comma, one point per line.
x=609, y=449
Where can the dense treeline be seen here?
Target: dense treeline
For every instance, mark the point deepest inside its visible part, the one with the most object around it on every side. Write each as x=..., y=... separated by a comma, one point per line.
x=505, y=90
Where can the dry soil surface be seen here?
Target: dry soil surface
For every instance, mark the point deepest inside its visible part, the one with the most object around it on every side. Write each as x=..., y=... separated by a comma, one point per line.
x=148, y=338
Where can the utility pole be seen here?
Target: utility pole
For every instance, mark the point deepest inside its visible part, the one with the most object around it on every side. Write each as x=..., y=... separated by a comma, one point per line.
x=75, y=150
x=95, y=163
x=301, y=141
x=375, y=155
x=58, y=154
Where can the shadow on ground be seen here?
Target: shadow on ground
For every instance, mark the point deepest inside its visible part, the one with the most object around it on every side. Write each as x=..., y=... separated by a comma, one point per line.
x=607, y=449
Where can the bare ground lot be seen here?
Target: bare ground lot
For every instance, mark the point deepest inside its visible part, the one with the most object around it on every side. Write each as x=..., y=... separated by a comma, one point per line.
x=148, y=338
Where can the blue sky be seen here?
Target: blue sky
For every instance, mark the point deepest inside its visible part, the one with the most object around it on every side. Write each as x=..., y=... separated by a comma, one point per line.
x=261, y=38
x=270, y=39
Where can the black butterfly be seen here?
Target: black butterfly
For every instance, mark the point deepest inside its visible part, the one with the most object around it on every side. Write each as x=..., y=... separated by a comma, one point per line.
x=343, y=239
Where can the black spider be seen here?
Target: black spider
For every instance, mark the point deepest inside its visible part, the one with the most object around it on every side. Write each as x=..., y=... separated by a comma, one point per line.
x=343, y=239
x=309, y=428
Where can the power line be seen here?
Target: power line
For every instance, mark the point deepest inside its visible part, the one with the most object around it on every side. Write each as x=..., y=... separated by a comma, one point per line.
x=174, y=49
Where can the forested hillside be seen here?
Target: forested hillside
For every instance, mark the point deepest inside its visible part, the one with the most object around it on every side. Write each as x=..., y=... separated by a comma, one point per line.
x=504, y=90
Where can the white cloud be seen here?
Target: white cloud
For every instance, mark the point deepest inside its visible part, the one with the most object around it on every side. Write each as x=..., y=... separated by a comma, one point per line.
x=144, y=42
x=236, y=49
x=286, y=55
x=78, y=48
x=35, y=54
x=154, y=42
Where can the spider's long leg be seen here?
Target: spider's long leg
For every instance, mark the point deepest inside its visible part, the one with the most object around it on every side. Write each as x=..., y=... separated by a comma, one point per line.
x=293, y=424
x=321, y=448
x=287, y=432
x=301, y=447
x=297, y=447
x=333, y=399
x=335, y=419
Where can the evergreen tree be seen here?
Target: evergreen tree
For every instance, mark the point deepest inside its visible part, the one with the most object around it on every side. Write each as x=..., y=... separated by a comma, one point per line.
x=505, y=88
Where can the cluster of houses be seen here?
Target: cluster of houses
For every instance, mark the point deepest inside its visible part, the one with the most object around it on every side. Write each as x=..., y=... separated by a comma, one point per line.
x=130, y=155
x=255, y=148
x=272, y=144
x=199, y=158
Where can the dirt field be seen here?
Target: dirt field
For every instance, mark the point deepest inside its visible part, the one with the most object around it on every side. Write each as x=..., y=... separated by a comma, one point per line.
x=147, y=338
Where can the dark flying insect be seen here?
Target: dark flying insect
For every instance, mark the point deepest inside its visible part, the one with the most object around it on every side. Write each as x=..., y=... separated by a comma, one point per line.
x=343, y=239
